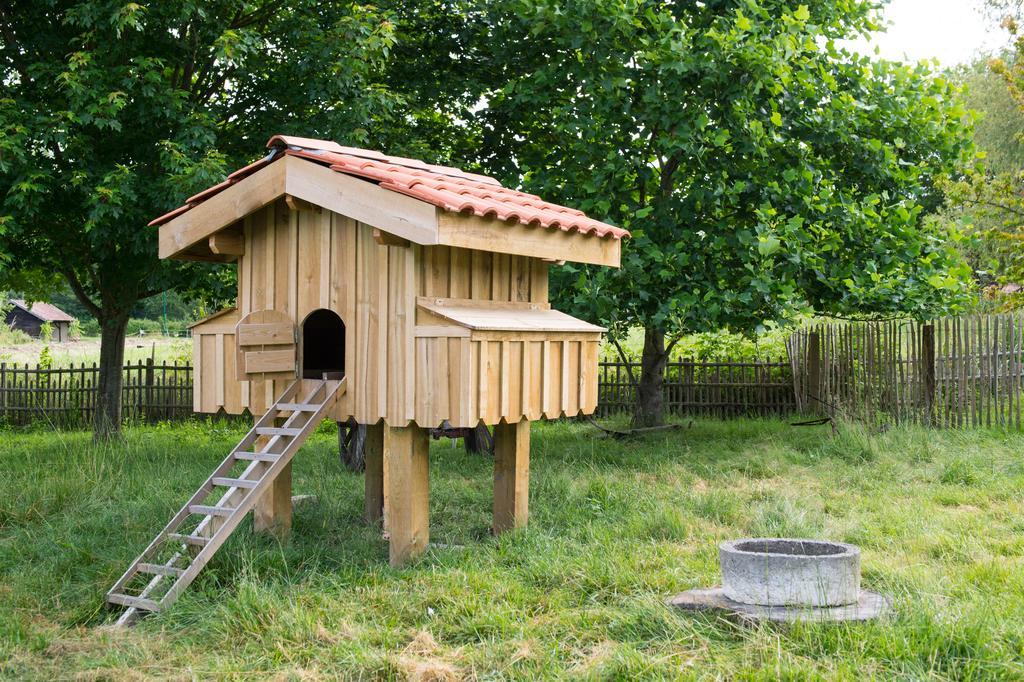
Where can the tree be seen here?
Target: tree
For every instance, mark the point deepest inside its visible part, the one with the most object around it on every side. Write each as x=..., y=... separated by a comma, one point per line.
x=1000, y=125
x=992, y=196
x=113, y=112
x=762, y=169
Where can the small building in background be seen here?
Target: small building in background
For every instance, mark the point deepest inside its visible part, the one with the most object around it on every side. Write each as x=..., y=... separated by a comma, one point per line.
x=30, y=319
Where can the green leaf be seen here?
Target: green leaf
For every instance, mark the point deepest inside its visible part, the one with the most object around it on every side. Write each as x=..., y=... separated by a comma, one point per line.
x=769, y=245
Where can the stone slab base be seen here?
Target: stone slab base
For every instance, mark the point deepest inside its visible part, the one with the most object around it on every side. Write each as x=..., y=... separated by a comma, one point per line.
x=870, y=606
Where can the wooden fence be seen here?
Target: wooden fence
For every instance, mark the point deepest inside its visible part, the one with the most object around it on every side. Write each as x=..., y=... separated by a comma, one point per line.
x=66, y=397
x=710, y=389
x=952, y=372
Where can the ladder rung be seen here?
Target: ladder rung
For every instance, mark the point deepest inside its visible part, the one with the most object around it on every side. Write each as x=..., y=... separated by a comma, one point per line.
x=277, y=431
x=257, y=456
x=188, y=539
x=235, y=482
x=298, y=407
x=135, y=602
x=205, y=510
x=159, y=569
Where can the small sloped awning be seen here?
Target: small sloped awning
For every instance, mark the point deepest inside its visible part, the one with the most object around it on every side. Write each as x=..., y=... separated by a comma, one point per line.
x=486, y=317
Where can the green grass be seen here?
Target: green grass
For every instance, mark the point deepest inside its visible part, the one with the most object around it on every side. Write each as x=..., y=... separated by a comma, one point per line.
x=616, y=528
x=87, y=350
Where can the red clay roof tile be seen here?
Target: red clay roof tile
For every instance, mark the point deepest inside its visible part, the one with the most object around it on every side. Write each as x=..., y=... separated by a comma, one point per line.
x=447, y=188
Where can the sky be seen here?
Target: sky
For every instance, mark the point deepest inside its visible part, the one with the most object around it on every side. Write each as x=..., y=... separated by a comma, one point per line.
x=952, y=31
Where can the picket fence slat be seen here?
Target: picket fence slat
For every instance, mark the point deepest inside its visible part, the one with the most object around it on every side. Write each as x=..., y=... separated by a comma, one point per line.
x=952, y=372
x=66, y=397
x=718, y=388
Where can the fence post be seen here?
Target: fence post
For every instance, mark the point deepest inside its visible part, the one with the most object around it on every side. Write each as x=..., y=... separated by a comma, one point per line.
x=688, y=383
x=3, y=390
x=928, y=370
x=811, y=397
x=150, y=409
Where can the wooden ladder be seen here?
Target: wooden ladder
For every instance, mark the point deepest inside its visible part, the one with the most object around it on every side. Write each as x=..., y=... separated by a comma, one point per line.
x=178, y=553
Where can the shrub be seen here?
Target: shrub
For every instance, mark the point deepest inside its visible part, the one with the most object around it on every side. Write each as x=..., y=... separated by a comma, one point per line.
x=90, y=328
x=959, y=472
x=137, y=327
x=13, y=337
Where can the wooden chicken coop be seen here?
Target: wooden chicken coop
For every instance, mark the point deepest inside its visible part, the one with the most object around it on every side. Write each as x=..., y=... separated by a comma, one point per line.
x=418, y=292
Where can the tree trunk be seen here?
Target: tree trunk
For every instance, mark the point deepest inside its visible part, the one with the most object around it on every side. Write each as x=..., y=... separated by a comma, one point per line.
x=650, y=403
x=351, y=445
x=478, y=440
x=107, y=418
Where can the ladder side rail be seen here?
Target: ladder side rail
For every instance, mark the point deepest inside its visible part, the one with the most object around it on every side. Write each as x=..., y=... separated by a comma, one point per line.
x=255, y=469
x=247, y=502
x=200, y=493
x=129, y=615
x=245, y=496
x=267, y=418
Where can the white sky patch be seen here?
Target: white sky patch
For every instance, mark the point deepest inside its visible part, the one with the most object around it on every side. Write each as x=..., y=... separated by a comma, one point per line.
x=952, y=31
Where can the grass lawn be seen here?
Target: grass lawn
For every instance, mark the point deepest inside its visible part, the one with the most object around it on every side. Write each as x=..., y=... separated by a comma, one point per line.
x=615, y=529
x=162, y=349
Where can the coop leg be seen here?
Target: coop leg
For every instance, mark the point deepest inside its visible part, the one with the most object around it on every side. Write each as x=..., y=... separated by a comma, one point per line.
x=406, y=491
x=511, y=475
x=373, y=453
x=273, y=511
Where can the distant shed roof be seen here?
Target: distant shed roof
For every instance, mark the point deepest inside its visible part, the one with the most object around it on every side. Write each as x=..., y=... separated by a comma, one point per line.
x=43, y=311
x=449, y=189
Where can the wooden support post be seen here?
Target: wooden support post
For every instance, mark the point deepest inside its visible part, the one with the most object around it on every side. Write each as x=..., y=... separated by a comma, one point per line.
x=406, y=491
x=812, y=390
x=928, y=370
x=373, y=456
x=511, y=475
x=273, y=511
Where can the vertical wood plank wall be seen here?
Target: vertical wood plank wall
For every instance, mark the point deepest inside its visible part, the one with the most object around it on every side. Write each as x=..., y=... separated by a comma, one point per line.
x=452, y=272
x=213, y=353
x=299, y=261
x=505, y=376
x=499, y=375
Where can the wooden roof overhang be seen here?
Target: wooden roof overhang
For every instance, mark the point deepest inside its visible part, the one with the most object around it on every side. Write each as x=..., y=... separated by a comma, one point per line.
x=487, y=320
x=187, y=236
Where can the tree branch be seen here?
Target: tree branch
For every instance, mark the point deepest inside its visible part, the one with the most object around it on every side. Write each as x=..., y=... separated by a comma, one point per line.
x=81, y=295
x=149, y=292
x=668, y=170
x=625, y=361
x=995, y=205
x=672, y=343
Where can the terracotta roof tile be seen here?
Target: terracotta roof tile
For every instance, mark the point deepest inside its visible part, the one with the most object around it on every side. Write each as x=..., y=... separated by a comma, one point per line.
x=447, y=188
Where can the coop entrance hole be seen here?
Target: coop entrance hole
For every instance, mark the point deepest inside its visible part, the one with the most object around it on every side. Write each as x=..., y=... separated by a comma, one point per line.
x=323, y=345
